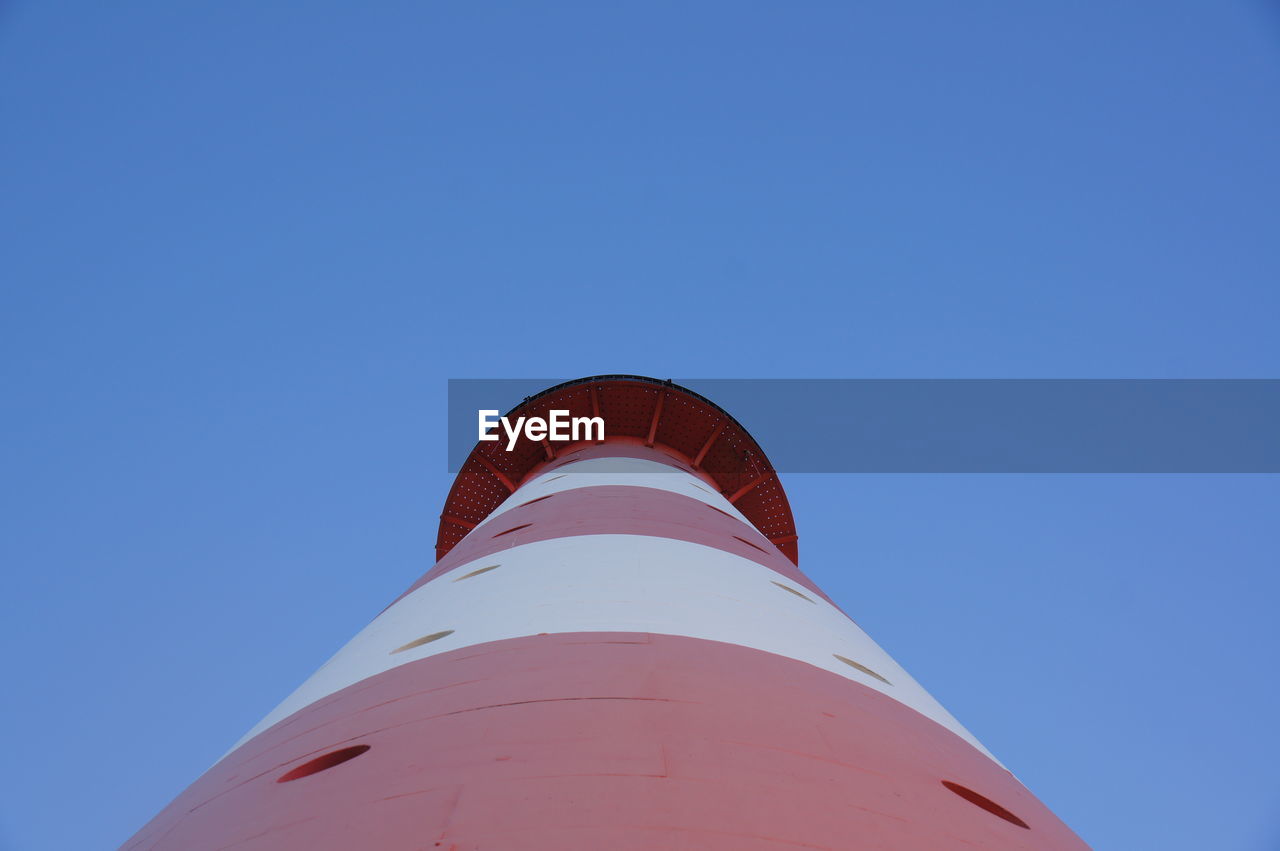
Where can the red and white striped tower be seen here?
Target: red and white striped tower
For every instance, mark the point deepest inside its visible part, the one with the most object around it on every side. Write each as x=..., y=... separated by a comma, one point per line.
x=615, y=651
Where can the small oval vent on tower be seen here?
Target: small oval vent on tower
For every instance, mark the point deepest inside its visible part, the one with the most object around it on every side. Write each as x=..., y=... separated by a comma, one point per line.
x=986, y=803
x=322, y=763
x=426, y=639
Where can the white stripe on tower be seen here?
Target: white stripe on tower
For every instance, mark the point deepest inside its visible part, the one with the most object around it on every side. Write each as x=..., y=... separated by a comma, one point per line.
x=630, y=472
x=614, y=583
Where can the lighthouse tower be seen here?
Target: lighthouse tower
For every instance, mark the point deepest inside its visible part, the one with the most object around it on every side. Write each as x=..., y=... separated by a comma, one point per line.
x=615, y=650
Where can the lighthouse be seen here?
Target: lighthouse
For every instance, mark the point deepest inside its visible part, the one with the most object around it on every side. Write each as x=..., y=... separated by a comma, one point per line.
x=615, y=649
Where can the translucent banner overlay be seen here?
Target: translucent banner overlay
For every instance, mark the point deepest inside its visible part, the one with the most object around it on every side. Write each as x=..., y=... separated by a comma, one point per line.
x=965, y=425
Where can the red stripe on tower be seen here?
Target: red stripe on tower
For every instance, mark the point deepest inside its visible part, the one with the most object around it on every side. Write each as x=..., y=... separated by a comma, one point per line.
x=615, y=650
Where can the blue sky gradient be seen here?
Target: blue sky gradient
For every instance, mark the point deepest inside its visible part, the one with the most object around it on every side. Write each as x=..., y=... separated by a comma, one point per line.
x=244, y=245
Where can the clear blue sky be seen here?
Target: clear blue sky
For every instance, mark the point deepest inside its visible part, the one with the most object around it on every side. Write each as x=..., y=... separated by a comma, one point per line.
x=245, y=244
